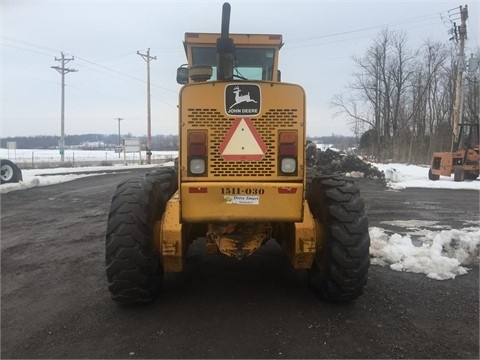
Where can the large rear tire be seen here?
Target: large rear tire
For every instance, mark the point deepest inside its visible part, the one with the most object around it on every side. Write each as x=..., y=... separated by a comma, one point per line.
x=9, y=172
x=432, y=176
x=471, y=175
x=340, y=270
x=459, y=174
x=133, y=265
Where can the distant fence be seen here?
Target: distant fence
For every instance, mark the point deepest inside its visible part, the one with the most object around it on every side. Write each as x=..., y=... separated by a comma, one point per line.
x=42, y=159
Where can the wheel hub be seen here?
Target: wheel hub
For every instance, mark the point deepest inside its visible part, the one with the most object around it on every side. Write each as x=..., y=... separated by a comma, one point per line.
x=6, y=172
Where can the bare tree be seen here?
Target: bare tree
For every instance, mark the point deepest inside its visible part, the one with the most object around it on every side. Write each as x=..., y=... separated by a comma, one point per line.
x=401, y=69
x=403, y=98
x=471, y=109
x=371, y=90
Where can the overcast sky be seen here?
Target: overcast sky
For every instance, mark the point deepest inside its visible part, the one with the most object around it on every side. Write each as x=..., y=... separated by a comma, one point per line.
x=104, y=36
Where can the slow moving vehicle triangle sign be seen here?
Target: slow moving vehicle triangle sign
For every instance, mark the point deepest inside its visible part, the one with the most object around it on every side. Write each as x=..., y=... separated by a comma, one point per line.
x=242, y=142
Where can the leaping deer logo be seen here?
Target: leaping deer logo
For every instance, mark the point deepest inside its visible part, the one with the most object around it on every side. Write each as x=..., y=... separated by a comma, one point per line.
x=241, y=98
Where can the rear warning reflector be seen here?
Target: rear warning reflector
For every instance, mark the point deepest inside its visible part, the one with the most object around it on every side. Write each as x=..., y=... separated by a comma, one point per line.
x=287, y=190
x=198, y=190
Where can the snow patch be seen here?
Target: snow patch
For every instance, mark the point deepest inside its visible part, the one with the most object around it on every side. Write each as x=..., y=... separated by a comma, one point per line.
x=43, y=177
x=442, y=256
x=355, y=174
x=391, y=174
x=401, y=176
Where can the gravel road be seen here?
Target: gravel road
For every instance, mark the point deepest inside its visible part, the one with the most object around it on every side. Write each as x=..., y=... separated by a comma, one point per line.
x=55, y=302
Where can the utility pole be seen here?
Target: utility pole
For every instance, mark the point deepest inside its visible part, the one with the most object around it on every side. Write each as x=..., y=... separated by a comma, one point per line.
x=63, y=70
x=119, y=136
x=462, y=30
x=147, y=58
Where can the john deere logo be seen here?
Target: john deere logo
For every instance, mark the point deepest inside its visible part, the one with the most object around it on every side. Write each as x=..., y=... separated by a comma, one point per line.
x=242, y=99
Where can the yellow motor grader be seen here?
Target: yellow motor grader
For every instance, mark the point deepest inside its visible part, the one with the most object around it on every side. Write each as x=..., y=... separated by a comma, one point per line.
x=240, y=180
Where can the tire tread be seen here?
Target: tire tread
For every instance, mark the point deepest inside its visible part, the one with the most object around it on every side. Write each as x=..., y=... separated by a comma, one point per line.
x=132, y=262
x=337, y=203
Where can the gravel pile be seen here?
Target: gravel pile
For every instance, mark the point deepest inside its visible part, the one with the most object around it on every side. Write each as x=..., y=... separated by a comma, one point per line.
x=332, y=162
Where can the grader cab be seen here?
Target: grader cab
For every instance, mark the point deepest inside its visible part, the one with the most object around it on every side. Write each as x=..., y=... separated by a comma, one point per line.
x=241, y=180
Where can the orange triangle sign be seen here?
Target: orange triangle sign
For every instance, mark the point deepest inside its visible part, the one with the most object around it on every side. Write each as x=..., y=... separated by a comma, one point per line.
x=242, y=142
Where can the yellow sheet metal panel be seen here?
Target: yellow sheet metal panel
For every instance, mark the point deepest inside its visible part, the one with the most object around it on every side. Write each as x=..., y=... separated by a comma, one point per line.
x=307, y=239
x=232, y=201
x=206, y=107
x=238, y=39
x=171, y=241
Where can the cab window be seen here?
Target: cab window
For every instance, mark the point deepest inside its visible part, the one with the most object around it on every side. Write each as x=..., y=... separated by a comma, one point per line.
x=251, y=63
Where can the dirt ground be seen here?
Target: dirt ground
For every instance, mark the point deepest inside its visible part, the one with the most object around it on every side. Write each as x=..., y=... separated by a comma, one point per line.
x=55, y=302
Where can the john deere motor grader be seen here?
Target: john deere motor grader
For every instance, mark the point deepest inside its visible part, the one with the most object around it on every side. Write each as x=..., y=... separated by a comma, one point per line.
x=241, y=179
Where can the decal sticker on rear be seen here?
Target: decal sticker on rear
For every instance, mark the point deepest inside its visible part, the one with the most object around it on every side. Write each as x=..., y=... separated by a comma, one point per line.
x=242, y=200
x=242, y=99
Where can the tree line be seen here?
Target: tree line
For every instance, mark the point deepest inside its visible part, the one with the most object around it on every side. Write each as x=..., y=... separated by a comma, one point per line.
x=400, y=100
x=93, y=141
x=159, y=142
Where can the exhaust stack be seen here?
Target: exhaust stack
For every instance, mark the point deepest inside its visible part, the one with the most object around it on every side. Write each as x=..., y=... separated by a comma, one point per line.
x=225, y=48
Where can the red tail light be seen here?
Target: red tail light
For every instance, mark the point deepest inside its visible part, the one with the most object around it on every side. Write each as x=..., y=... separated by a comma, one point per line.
x=197, y=137
x=288, y=137
x=197, y=143
x=197, y=152
x=287, y=152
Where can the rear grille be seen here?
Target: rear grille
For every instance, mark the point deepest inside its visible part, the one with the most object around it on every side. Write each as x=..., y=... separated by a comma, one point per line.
x=218, y=126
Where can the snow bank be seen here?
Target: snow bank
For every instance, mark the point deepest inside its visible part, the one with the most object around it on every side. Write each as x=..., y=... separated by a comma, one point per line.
x=43, y=177
x=401, y=176
x=443, y=255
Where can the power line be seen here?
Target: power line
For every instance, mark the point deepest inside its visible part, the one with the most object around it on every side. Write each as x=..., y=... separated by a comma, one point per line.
x=29, y=50
x=333, y=42
x=123, y=99
x=29, y=78
x=126, y=75
x=78, y=58
x=29, y=44
x=472, y=32
x=400, y=22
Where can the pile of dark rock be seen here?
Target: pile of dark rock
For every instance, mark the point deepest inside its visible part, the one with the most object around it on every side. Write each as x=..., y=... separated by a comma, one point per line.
x=330, y=162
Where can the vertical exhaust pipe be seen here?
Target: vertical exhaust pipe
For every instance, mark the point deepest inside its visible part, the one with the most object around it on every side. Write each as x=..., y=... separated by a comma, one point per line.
x=226, y=19
x=225, y=48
